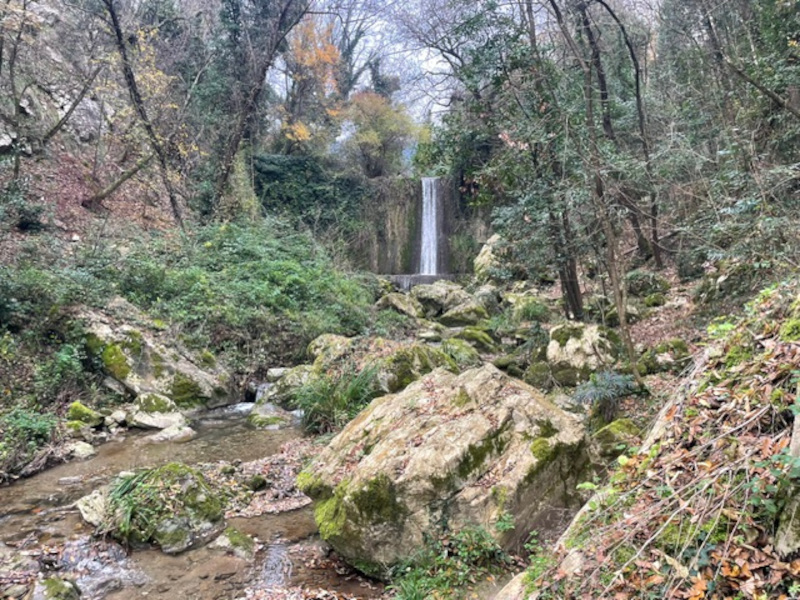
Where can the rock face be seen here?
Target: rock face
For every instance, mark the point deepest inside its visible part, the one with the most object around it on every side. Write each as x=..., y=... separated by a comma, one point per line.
x=448, y=451
x=142, y=362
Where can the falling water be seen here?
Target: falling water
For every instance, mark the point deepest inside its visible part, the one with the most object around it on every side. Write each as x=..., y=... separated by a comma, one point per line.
x=429, y=255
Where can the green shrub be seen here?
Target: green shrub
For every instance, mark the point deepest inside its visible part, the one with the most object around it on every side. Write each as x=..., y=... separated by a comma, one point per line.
x=449, y=566
x=329, y=403
x=23, y=432
x=532, y=310
x=604, y=391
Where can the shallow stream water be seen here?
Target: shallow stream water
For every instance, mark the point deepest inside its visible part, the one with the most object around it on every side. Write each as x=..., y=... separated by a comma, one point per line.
x=38, y=512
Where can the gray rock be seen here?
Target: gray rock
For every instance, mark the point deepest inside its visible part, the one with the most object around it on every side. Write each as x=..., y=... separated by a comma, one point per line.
x=432, y=449
x=145, y=420
x=81, y=450
x=174, y=433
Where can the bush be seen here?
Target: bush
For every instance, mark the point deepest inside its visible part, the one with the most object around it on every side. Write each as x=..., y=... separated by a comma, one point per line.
x=447, y=567
x=328, y=404
x=23, y=433
x=604, y=391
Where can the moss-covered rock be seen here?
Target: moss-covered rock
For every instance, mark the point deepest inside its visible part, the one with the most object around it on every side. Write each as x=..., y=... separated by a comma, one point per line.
x=655, y=300
x=614, y=438
x=173, y=506
x=440, y=297
x=461, y=352
x=670, y=356
x=269, y=416
x=538, y=375
x=78, y=412
x=402, y=303
x=154, y=403
x=576, y=351
x=142, y=359
x=416, y=461
x=479, y=338
x=468, y=313
x=408, y=363
x=642, y=283
x=488, y=259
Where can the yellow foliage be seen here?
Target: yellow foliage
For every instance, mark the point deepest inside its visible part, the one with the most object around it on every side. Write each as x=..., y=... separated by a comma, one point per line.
x=297, y=132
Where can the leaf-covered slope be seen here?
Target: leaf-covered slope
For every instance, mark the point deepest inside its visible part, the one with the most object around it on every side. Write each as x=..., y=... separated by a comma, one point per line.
x=695, y=514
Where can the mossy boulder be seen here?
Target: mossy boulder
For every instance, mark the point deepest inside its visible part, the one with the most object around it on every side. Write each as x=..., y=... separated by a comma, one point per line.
x=612, y=439
x=173, y=506
x=402, y=303
x=419, y=460
x=642, y=283
x=269, y=416
x=461, y=352
x=468, y=313
x=488, y=260
x=78, y=412
x=283, y=391
x=670, y=356
x=479, y=338
x=440, y=297
x=140, y=358
x=577, y=350
x=408, y=363
x=327, y=348
x=154, y=403
x=539, y=375
x=655, y=300
x=489, y=297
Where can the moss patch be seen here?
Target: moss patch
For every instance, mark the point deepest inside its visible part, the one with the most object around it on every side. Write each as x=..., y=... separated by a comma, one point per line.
x=185, y=392
x=478, y=338
x=77, y=412
x=59, y=589
x=154, y=403
x=476, y=454
x=565, y=333
x=115, y=362
x=262, y=422
x=377, y=501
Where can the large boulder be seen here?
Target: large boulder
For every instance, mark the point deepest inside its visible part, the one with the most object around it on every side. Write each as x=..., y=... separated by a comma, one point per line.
x=487, y=260
x=467, y=313
x=449, y=451
x=137, y=355
x=576, y=351
x=402, y=303
x=172, y=506
x=440, y=297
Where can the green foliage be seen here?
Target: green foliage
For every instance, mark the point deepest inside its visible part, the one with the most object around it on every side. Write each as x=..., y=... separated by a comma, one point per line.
x=235, y=288
x=329, y=403
x=308, y=188
x=604, y=391
x=23, y=432
x=449, y=566
x=17, y=211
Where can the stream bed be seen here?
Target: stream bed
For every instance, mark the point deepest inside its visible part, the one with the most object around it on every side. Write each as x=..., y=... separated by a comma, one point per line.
x=39, y=524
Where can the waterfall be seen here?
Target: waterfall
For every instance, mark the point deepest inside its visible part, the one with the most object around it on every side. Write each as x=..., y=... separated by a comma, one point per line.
x=429, y=249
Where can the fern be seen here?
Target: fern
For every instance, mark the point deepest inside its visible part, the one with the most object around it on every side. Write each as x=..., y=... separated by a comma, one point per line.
x=604, y=391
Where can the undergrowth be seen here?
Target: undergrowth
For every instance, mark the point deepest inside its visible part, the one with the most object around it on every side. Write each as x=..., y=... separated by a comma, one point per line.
x=329, y=402
x=695, y=515
x=450, y=566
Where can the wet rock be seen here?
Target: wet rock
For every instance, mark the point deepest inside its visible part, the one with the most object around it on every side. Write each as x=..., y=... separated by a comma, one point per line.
x=269, y=416
x=235, y=542
x=156, y=420
x=174, y=433
x=449, y=450
x=94, y=507
x=402, y=303
x=81, y=450
x=56, y=588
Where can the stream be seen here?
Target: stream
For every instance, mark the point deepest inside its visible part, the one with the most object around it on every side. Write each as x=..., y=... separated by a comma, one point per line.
x=39, y=522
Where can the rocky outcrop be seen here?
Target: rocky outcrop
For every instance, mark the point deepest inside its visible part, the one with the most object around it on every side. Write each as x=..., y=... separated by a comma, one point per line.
x=135, y=354
x=450, y=450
